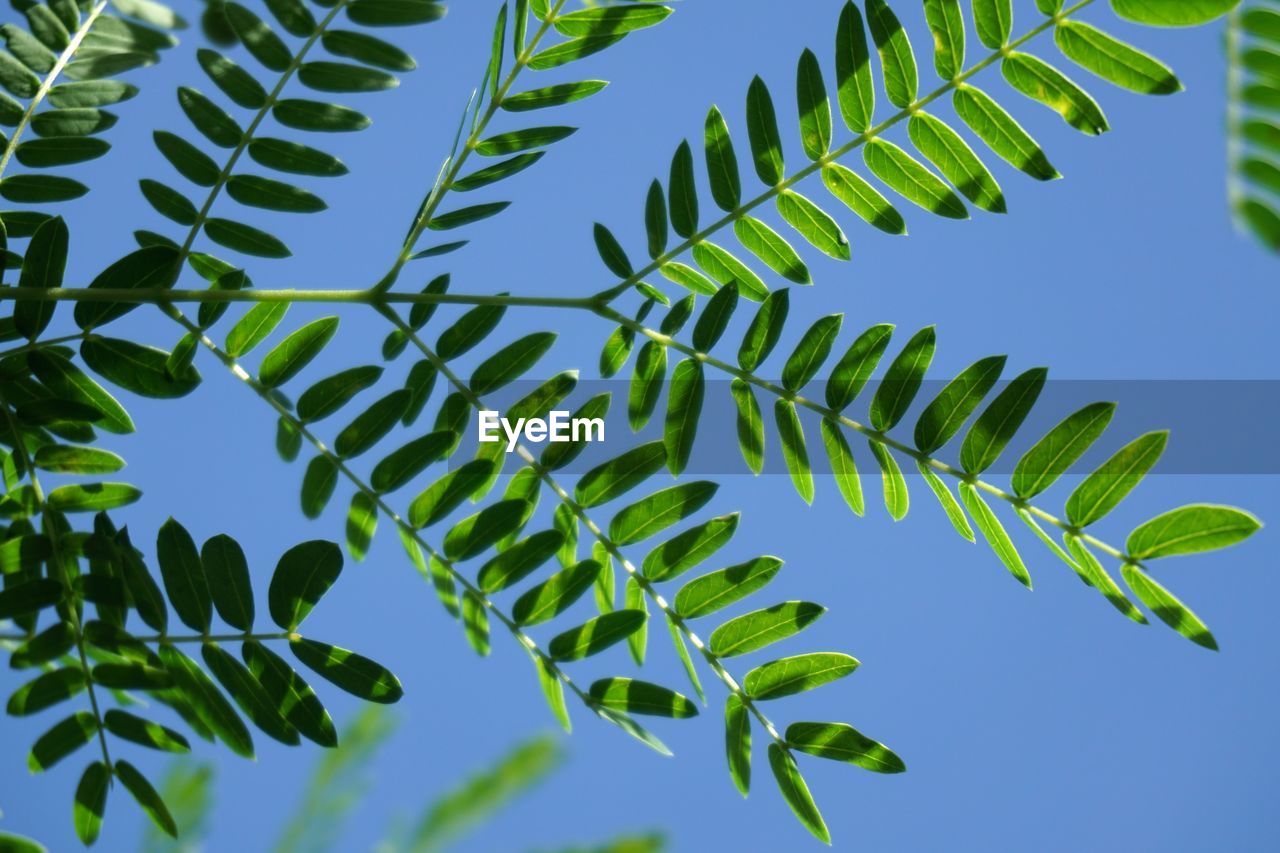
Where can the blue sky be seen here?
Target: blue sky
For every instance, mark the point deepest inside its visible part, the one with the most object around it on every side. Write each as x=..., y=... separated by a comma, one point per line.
x=1027, y=720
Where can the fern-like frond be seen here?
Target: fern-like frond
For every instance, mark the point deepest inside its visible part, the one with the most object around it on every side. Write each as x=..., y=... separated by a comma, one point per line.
x=942, y=173
x=1253, y=101
x=960, y=402
x=58, y=73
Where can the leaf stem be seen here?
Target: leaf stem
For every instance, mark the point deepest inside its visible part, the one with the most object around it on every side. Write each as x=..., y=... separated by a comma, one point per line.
x=872, y=434
x=453, y=165
x=380, y=502
x=285, y=76
x=47, y=83
x=832, y=156
x=612, y=547
x=55, y=560
x=219, y=638
x=157, y=296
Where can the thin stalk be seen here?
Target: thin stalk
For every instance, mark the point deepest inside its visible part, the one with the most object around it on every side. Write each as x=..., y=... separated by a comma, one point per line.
x=247, y=136
x=73, y=615
x=158, y=296
x=380, y=502
x=220, y=638
x=565, y=498
x=454, y=165
x=832, y=156
x=31, y=346
x=872, y=434
x=47, y=83
x=1235, y=144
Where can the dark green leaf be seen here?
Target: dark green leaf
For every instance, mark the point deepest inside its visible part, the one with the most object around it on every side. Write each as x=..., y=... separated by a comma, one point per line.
x=841, y=742
x=353, y=673
x=796, y=792
x=184, y=576
x=302, y=577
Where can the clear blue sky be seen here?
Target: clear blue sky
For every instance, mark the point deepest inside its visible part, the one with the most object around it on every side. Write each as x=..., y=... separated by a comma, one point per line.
x=1028, y=720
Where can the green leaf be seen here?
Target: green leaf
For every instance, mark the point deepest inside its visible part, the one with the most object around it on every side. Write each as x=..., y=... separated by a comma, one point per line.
x=522, y=140
x=682, y=193
x=946, y=22
x=475, y=622
x=466, y=215
x=953, y=157
x=1002, y=133
x=722, y=162
x=296, y=351
x=555, y=595
x=394, y=13
x=1113, y=60
x=268, y=194
x=655, y=219
x=996, y=426
x=248, y=694
x=362, y=523
x=476, y=533
x=814, y=224
x=357, y=675
x=317, y=485
x=45, y=691
x=684, y=405
x=91, y=802
x=947, y=413
x=660, y=510
x=750, y=425
x=210, y=119
x=295, y=158
x=511, y=362
x=611, y=19
x=135, y=729
x=646, y=383
x=814, y=106
x=1191, y=530
x=1112, y=481
x=995, y=534
x=715, y=318
x=762, y=129
x=640, y=697
x=814, y=347
x=896, y=498
x=447, y=494
x=771, y=248
x=60, y=741
x=721, y=265
x=302, y=576
x=595, y=635
x=1041, y=82
x=369, y=427
x=227, y=573
x=92, y=497
x=856, y=366
x=519, y=560
x=737, y=737
x=140, y=369
x=254, y=327
x=155, y=267
x=862, y=198
x=245, y=238
x=896, y=56
x=955, y=514
x=902, y=380
x=403, y=464
x=572, y=51
x=1052, y=455
x=91, y=93
x=855, y=91
x=293, y=697
x=712, y=592
x=993, y=20
x=552, y=96
x=686, y=550
x=794, y=452
x=42, y=267
x=184, y=576
x=611, y=252
x=906, y=176
x=619, y=475
x=842, y=742
x=760, y=628
x=843, y=466
x=796, y=792
x=797, y=674
x=258, y=37
x=1167, y=607
x=50, y=644
x=315, y=116
x=333, y=392
x=236, y=83
x=765, y=329
x=344, y=77
x=68, y=382
x=1100, y=579
x=1172, y=13
x=210, y=706
x=469, y=330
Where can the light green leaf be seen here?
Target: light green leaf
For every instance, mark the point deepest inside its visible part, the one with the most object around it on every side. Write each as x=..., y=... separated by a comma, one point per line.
x=660, y=510
x=794, y=452
x=333, y=392
x=475, y=621
x=552, y=96
x=721, y=265
x=254, y=327
x=611, y=19
x=855, y=91
x=295, y=352
x=1113, y=60
x=1167, y=607
x=140, y=369
x=1002, y=133
x=896, y=498
x=519, y=560
x=91, y=802
x=1172, y=13
x=641, y=697
x=715, y=318
x=842, y=742
x=765, y=329
x=762, y=129
x=1100, y=579
x=477, y=533
x=684, y=405
x=814, y=224
x=993, y=531
x=468, y=331
x=862, y=198
x=896, y=56
x=1040, y=81
x=796, y=792
x=446, y=494
x=722, y=162
x=595, y=635
x=705, y=595
x=946, y=22
x=797, y=674
x=815, y=108
x=902, y=380
x=998, y=423
x=555, y=595
x=993, y=20
x=955, y=514
x=771, y=248
x=686, y=550
x=1052, y=455
x=1107, y=486
x=906, y=176
x=953, y=157
x=1191, y=530
x=760, y=628
x=646, y=383
x=843, y=466
x=947, y=413
x=737, y=738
